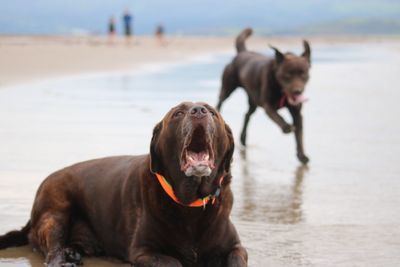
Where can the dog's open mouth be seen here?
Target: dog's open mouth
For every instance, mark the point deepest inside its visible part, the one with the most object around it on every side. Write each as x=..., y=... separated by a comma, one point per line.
x=296, y=100
x=197, y=157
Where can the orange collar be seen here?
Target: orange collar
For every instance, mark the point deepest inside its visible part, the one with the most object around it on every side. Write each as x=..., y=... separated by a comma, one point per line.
x=201, y=202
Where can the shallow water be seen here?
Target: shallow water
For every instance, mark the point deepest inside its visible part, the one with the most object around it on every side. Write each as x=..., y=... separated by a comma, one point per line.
x=341, y=210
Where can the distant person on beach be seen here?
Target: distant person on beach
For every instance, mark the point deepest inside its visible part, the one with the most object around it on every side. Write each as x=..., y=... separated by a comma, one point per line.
x=111, y=29
x=160, y=35
x=127, y=20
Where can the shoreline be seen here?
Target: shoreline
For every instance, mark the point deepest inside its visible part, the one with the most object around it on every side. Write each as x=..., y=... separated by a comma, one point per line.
x=139, y=69
x=26, y=59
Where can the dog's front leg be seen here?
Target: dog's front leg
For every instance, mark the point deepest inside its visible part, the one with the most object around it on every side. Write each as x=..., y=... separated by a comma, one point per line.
x=237, y=257
x=143, y=257
x=273, y=114
x=298, y=123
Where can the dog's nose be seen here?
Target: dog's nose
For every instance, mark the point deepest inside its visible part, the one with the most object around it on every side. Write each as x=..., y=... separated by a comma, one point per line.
x=198, y=111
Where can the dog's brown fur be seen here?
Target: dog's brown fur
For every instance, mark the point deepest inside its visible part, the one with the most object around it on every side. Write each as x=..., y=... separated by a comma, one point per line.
x=116, y=207
x=266, y=80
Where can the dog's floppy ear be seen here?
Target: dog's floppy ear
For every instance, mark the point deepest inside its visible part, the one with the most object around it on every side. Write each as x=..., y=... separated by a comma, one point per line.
x=307, y=51
x=155, y=159
x=279, y=57
x=227, y=160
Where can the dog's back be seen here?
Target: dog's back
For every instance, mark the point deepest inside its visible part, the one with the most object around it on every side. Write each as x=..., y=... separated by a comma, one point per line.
x=247, y=60
x=244, y=70
x=249, y=67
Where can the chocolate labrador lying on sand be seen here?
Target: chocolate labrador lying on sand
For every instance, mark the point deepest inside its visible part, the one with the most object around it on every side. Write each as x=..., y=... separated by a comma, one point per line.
x=168, y=208
x=270, y=83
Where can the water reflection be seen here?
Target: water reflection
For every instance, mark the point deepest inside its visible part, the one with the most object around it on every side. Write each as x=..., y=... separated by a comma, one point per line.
x=23, y=256
x=26, y=257
x=269, y=200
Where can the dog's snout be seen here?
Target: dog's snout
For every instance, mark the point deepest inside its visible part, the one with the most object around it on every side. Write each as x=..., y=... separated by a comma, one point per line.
x=198, y=111
x=297, y=91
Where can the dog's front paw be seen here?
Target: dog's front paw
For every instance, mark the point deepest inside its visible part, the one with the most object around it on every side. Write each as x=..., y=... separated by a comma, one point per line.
x=287, y=128
x=303, y=158
x=72, y=258
x=237, y=257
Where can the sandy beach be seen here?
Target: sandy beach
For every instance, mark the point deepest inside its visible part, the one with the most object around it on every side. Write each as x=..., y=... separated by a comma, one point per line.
x=27, y=58
x=35, y=58
x=340, y=210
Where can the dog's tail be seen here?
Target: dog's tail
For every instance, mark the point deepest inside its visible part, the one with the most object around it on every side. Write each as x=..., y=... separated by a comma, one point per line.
x=240, y=40
x=15, y=238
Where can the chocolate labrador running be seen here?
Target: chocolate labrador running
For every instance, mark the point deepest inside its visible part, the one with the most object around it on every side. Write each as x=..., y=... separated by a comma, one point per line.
x=168, y=208
x=270, y=83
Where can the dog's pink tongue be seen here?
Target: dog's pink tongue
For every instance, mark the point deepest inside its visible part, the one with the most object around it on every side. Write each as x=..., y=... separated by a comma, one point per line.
x=198, y=164
x=198, y=158
x=297, y=99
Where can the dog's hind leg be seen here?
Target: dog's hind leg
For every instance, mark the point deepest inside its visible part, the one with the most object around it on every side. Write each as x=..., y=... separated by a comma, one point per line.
x=229, y=84
x=51, y=219
x=252, y=108
x=83, y=239
x=49, y=234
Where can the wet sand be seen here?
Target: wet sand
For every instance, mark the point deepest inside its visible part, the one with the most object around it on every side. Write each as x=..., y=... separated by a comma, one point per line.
x=341, y=210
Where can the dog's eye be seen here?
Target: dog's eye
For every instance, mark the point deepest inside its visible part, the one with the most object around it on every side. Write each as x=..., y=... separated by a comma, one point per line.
x=177, y=113
x=212, y=112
